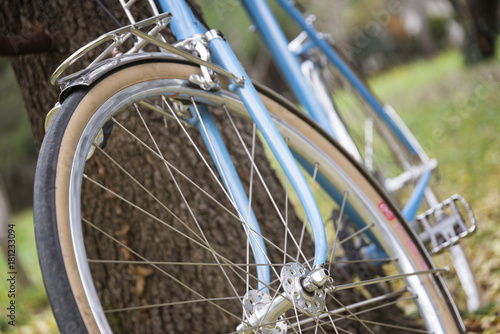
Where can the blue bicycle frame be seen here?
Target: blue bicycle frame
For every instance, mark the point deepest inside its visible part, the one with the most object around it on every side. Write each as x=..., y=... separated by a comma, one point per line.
x=223, y=55
x=289, y=66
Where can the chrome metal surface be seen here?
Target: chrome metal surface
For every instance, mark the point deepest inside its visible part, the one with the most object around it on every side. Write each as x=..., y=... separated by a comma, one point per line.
x=316, y=279
x=442, y=229
x=198, y=46
x=411, y=174
x=50, y=115
x=213, y=34
x=126, y=5
x=119, y=36
x=309, y=302
x=89, y=75
x=260, y=308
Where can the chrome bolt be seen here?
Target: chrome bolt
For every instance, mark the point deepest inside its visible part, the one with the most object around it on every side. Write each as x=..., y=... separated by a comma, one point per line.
x=316, y=279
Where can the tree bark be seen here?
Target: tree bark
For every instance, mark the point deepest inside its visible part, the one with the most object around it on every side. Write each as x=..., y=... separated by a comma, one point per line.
x=480, y=19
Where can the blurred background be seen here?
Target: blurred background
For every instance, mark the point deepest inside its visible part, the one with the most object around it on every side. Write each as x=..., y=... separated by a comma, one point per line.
x=435, y=61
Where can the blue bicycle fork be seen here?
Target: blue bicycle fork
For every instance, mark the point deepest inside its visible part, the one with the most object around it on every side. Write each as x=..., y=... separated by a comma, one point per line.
x=223, y=55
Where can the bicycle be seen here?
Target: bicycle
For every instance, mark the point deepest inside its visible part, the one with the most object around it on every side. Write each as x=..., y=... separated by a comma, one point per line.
x=380, y=141
x=137, y=98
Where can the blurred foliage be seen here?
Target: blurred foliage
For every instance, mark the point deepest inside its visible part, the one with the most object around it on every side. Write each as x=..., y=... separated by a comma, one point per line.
x=17, y=151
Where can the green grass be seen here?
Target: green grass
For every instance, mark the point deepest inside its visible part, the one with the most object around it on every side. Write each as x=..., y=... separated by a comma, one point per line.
x=33, y=313
x=454, y=111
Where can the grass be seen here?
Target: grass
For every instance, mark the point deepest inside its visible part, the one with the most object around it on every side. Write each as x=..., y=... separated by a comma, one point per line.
x=33, y=313
x=454, y=111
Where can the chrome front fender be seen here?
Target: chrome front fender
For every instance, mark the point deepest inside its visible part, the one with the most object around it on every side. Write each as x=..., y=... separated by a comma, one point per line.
x=88, y=76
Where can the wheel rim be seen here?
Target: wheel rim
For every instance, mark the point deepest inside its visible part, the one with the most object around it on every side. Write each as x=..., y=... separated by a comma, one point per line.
x=97, y=123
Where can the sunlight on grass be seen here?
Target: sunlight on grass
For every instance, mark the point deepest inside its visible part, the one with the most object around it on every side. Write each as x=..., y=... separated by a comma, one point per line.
x=454, y=111
x=33, y=314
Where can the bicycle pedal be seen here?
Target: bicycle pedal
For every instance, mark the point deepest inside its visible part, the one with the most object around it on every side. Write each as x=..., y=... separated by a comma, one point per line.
x=446, y=224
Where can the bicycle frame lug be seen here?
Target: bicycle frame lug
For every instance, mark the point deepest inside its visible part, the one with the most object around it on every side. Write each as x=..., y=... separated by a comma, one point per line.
x=213, y=34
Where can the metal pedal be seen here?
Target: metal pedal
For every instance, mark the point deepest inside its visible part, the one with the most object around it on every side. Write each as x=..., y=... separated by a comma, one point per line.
x=446, y=224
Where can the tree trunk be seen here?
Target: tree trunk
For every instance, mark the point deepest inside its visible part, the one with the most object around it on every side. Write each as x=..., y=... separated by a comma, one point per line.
x=480, y=19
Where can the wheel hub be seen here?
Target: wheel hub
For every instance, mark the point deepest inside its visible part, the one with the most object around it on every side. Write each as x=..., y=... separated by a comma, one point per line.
x=305, y=288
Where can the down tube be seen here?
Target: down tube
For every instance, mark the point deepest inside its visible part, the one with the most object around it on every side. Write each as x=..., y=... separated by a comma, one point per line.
x=288, y=64
x=220, y=156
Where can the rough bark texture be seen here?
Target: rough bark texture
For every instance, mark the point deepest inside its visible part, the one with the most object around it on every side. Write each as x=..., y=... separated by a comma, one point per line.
x=70, y=25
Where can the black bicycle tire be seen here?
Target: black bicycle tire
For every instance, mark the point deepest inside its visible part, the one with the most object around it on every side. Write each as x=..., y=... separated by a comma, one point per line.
x=49, y=245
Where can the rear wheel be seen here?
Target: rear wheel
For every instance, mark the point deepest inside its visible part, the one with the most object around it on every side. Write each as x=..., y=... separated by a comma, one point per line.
x=368, y=137
x=136, y=232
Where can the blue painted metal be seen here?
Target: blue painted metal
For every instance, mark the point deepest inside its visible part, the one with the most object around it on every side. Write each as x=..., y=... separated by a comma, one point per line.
x=411, y=208
x=338, y=197
x=286, y=61
x=184, y=24
x=223, y=55
x=232, y=182
x=332, y=56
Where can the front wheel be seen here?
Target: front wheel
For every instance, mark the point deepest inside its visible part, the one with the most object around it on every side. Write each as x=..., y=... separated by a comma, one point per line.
x=136, y=232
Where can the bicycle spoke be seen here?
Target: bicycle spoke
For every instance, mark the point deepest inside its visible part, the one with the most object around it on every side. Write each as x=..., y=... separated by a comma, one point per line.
x=257, y=171
x=238, y=219
x=177, y=170
x=250, y=203
x=185, y=200
x=167, y=225
x=350, y=312
x=217, y=161
x=389, y=259
x=367, y=227
x=184, y=302
x=337, y=228
x=160, y=270
x=186, y=263
x=315, y=173
x=388, y=278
